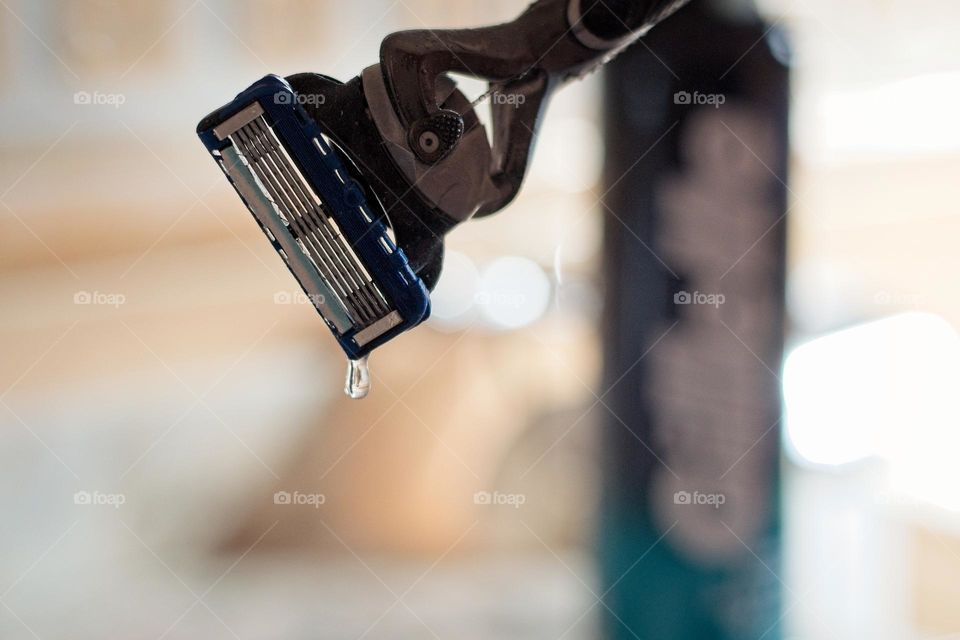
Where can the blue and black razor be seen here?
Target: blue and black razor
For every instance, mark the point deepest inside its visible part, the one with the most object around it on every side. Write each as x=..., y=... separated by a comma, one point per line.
x=328, y=167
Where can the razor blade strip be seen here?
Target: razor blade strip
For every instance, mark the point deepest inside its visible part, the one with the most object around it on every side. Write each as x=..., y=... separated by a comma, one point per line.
x=316, y=216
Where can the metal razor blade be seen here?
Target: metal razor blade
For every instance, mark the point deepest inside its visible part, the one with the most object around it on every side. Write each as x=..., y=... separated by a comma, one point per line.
x=331, y=232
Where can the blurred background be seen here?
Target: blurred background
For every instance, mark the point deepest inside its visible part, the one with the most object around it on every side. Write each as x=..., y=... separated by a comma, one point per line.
x=179, y=461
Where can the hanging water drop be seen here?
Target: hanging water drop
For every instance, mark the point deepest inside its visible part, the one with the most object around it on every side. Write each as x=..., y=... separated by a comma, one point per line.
x=357, y=384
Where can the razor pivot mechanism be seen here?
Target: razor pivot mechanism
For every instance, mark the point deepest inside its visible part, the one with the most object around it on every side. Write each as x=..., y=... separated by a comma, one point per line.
x=330, y=231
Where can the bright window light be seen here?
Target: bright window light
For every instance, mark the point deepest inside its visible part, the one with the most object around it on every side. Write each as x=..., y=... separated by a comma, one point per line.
x=913, y=115
x=884, y=388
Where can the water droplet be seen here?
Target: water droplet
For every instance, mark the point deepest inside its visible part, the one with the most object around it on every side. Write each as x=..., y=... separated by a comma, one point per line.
x=358, y=378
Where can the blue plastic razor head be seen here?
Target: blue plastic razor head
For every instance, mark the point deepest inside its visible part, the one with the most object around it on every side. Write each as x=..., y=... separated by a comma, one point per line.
x=331, y=236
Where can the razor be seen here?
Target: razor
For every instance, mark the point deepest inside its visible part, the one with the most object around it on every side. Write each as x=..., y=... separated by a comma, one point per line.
x=356, y=184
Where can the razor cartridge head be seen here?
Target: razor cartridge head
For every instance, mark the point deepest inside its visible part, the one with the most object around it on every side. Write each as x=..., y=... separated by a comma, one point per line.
x=331, y=232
